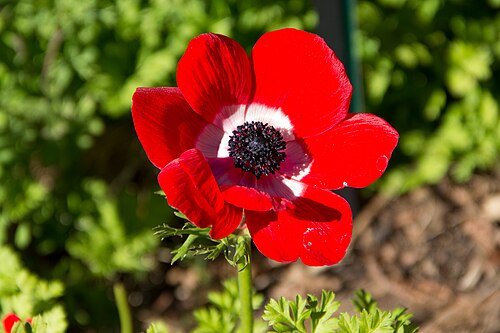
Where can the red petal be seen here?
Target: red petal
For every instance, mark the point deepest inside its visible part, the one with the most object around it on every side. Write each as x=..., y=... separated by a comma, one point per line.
x=191, y=188
x=9, y=320
x=226, y=173
x=297, y=71
x=167, y=126
x=317, y=229
x=247, y=198
x=214, y=73
x=252, y=193
x=354, y=154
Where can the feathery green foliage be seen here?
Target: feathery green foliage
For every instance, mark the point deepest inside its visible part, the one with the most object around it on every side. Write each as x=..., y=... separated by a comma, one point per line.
x=311, y=315
x=223, y=310
x=198, y=242
x=27, y=295
x=430, y=69
x=76, y=196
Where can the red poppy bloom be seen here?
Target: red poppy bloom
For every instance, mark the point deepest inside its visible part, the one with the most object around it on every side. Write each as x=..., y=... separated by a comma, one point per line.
x=9, y=320
x=268, y=136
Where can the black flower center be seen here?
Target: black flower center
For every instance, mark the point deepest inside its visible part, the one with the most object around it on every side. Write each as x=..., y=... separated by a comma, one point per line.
x=257, y=148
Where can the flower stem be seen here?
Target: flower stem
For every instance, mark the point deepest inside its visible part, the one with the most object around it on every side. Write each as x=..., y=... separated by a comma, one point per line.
x=123, y=308
x=245, y=290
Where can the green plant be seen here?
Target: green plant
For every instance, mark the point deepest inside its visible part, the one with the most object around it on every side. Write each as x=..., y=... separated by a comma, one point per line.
x=302, y=315
x=429, y=70
x=27, y=295
x=74, y=183
x=317, y=315
x=222, y=313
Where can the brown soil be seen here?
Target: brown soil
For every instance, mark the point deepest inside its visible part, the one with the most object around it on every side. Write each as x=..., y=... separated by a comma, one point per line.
x=435, y=251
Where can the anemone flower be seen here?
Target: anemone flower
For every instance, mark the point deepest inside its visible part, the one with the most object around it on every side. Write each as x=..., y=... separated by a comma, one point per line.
x=261, y=140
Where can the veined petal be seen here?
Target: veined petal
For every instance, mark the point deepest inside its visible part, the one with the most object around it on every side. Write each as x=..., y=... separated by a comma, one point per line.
x=317, y=229
x=298, y=160
x=262, y=192
x=226, y=174
x=242, y=189
x=214, y=75
x=167, y=126
x=355, y=153
x=191, y=188
x=248, y=198
x=297, y=72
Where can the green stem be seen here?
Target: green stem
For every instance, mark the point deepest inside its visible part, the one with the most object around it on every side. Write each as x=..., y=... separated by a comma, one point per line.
x=245, y=291
x=123, y=308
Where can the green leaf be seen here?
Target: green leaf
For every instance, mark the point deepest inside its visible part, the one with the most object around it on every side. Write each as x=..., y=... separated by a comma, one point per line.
x=364, y=301
x=376, y=322
x=157, y=327
x=181, y=252
x=348, y=324
x=235, y=248
x=321, y=315
x=241, y=253
x=177, y=213
x=26, y=294
x=402, y=323
x=222, y=313
x=295, y=316
x=18, y=328
x=164, y=230
x=37, y=325
x=287, y=316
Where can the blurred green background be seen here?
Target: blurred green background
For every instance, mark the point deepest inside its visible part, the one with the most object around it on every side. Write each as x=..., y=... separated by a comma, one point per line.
x=77, y=202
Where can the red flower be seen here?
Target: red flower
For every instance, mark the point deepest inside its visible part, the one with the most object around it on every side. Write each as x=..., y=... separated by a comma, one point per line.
x=9, y=320
x=265, y=135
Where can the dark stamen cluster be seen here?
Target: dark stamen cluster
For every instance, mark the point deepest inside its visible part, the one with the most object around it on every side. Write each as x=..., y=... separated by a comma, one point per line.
x=257, y=148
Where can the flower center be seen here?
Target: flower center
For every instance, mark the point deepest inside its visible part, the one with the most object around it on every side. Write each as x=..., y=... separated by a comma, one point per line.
x=257, y=148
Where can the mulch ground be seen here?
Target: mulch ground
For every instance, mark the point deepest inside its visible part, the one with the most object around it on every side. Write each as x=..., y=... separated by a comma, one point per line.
x=435, y=251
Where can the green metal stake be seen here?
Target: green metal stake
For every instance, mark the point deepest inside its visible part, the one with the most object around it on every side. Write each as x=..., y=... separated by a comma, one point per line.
x=338, y=26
